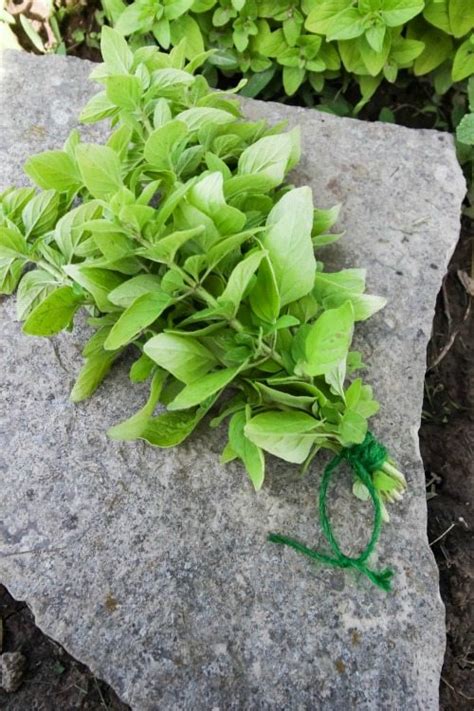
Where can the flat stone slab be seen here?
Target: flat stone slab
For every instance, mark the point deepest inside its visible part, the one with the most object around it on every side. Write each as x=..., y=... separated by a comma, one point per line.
x=152, y=566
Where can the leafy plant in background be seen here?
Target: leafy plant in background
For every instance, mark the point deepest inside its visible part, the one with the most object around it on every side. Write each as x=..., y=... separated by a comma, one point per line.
x=181, y=241
x=316, y=50
x=312, y=41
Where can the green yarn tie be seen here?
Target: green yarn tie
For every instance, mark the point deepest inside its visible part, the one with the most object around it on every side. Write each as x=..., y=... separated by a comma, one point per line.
x=364, y=459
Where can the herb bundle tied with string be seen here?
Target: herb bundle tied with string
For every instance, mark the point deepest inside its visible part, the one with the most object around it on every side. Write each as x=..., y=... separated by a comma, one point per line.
x=182, y=241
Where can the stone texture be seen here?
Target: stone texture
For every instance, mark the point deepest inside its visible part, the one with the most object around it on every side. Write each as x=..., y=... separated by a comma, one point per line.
x=152, y=566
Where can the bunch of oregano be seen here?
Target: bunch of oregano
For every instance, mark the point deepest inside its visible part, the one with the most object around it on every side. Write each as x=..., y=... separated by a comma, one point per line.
x=181, y=239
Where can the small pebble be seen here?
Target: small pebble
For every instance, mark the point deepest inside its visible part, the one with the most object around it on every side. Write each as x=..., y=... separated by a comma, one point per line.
x=12, y=670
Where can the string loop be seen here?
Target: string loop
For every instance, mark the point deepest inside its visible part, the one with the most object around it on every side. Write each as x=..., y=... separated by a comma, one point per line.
x=364, y=459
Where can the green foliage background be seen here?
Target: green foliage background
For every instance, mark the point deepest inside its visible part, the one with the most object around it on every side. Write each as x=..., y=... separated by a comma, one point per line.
x=331, y=53
x=308, y=42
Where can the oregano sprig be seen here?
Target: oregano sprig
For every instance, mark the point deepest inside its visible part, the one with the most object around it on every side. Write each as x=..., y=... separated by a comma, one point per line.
x=184, y=243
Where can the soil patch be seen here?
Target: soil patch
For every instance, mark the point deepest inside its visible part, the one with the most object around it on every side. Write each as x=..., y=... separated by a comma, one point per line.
x=53, y=680
x=447, y=446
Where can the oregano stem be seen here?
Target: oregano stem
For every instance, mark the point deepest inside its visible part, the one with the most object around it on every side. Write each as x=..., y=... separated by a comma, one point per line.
x=237, y=326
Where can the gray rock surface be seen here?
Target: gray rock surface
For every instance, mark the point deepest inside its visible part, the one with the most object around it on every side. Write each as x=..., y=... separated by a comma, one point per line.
x=152, y=566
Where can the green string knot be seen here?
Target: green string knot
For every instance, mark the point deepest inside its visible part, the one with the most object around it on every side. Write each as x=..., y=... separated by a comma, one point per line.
x=364, y=459
x=370, y=455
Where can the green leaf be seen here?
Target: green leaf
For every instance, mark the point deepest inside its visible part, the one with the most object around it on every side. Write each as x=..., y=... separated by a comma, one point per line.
x=360, y=491
x=70, y=229
x=322, y=14
x=141, y=369
x=134, y=18
x=404, y=51
x=207, y=194
x=13, y=201
x=12, y=244
x=329, y=339
x=186, y=27
x=98, y=108
x=115, y=52
x=184, y=357
x=171, y=428
x=160, y=144
x=335, y=378
x=293, y=77
x=13, y=257
x=272, y=44
x=437, y=14
x=98, y=282
x=41, y=213
x=353, y=393
x=33, y=288
x=375, y=36
x=374, y=60
x=169, y=78
x=346, y=25
x=463, y=64
x=264, y=297
x=461, y=17
x=124, y=91
x=165, y=250
x=128, y=291
x=95, y=344
x=292, y=28
x=239, y=280
x=438, y=47
x=287, y=435
x=465, y=130
x=323, y=220
x=161, y=113
x=54, y=313
x=208, y=385
x=92, y=374
x=257, y=82
x=353, y=428
x=270, y=156
x=110, y=239
x=289, y=246
x=364, y=305
x=397, y=12
x=347, y=280
x=53, y=170
x=352, y=61
x=286, y=399
x=247, y=451
x=134, y=426
x=176, y=8
x=140, y=314
x=161, y=32
x=198, y=117
x=100, y=169
x=10, y=274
